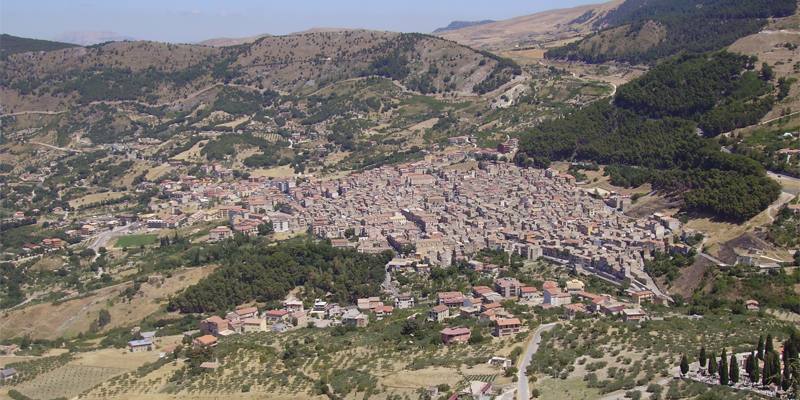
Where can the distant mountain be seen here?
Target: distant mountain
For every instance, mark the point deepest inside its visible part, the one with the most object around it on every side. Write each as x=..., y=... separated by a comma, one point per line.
x=14, y=44
x=88, y=38
x=462, y=24
x=158, y=72
x=224, y=42
x=643, y=31
x=532, y=30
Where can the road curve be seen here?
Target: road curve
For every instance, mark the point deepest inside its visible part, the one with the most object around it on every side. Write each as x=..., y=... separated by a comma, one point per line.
x=522, y=375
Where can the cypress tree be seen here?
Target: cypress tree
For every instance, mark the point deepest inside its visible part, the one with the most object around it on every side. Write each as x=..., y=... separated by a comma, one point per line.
x=787, y=365
x=776, y=368
x=702, y=357
x=760, y=348
x=684, y=365
x=712, y=365
x=767, y=372
x=734, y=372
x=723, y=368
x=755, y=376
x=769, y=347
x=748, y=364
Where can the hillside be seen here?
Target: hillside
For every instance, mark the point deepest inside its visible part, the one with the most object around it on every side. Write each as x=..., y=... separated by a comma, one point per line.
x=14, y=44
x=650, y=134
x=154, y=72
x=231, y=41
x=643, y=31
x=532, y=30
x=461, y=24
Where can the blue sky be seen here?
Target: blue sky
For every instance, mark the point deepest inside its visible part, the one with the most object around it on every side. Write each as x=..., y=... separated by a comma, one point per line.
x=195, y=20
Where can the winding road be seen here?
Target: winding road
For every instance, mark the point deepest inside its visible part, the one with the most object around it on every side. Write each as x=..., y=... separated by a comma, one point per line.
x=523, y=393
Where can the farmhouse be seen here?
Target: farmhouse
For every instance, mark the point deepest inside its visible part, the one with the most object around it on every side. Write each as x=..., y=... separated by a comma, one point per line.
x=506, y=326
x=205, y=341
x=439, y=313
x=136, y=346
x=7, y=374
x=458, y=334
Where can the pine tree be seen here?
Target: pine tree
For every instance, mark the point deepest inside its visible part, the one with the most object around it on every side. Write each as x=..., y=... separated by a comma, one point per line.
x=702, y=357
x=734, y=372
x=761, y=347
x=712, y=365
x=723, y=368
x=684, y=365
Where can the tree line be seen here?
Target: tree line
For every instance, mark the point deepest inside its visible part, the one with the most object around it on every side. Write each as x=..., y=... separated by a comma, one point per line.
x=252, y=270
x=649, y=134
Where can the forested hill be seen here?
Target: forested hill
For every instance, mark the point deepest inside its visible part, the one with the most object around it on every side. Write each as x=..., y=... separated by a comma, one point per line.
x=10, y=44
x=161, y=72
x=252, y=270
x=643, y=31
x=650, y=134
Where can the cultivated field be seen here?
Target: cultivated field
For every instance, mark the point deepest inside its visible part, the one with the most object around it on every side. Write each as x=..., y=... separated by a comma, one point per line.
x=136, y=240
x=68, y=318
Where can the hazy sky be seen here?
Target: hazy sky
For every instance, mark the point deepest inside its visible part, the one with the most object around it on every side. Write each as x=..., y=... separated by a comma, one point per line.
x=195, y=20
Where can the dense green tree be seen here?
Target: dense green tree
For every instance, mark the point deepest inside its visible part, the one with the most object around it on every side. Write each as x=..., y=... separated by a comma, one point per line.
x=755, y=375
x=723, y=368
x=713, y=368
x=702, y=357
x=733, y=375
x=760, y=347
x=684, y=365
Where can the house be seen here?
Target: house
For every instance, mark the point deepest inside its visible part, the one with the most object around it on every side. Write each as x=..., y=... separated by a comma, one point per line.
x=555, y=297
x=293, y=305
x=246, y=312
x=752, y=305
x=7, y=374
x=501, y=362
x=641, y=296
x=457, y=334
x=507, y=326
x=439, y=313
x=275, y=316
x=575, y=286
x=355, y=318
x=633, y=315
x=135, y=346
x=479, y=291
x=572, y=310
x=205, y=341
x=299, y=318
x=219, y=233
x=253, y=324
x=507, y=287
x=492, y=297
x=320, y=308
x=404, y=301
x=382, y=311
x=214, y=325
x=368, y=303
x=528, y=293
x=450, y=299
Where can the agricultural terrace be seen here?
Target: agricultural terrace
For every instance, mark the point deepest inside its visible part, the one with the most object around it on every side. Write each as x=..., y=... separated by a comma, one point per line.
x=393, y=358
x=605, y=356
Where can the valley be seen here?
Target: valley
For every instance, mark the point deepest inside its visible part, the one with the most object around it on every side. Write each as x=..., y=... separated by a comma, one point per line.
x=577, y=203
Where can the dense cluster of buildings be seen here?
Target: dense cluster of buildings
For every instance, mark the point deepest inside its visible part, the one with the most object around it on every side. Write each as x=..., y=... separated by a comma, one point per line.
x=438, y=211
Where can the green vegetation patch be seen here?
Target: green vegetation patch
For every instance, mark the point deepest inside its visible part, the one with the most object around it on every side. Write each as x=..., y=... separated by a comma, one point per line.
x=136, y=240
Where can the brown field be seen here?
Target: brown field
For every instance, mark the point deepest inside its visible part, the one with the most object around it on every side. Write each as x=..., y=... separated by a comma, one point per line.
x=94, y=198
x=50, y=321
x=193, y=154
x=158, y=171
x=87, y=370
x=283, y=171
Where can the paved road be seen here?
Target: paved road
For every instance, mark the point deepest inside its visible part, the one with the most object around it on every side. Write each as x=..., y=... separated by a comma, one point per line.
x=533, y=346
